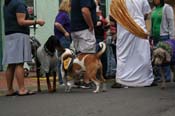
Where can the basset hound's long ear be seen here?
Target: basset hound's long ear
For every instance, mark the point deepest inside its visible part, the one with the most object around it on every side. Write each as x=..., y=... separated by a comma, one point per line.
x=155, y=52
x=153, y=57
x=167, y=56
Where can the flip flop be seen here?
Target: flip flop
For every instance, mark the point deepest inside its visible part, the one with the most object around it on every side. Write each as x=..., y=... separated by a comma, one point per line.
x=27, y=93
x=12, y=94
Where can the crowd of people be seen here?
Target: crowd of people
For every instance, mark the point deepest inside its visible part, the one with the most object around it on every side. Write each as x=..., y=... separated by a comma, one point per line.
x=84, y=28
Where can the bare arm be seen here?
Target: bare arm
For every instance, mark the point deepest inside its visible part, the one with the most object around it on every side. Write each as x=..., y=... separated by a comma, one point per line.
x=87, y=17
x=61, y=28
x=23, y=22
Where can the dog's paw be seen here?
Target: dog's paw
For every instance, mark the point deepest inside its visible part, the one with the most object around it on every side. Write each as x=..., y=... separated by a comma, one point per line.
x=52, y=90
x=67, y=90
x=96, y=91
x=104, y=90
x=162, y=87
x=39, y=90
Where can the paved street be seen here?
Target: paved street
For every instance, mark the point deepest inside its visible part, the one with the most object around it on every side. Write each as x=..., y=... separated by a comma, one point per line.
x=148, y=101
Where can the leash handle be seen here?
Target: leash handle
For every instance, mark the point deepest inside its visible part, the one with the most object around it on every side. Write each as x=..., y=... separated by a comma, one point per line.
x=35, y=17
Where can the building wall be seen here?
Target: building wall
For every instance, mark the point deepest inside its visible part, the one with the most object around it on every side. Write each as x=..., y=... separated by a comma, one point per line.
x=1, y=34
x=107, y=7
x=47, y=10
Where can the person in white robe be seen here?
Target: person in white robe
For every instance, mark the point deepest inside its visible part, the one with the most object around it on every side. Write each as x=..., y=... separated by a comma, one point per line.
x=133, y=49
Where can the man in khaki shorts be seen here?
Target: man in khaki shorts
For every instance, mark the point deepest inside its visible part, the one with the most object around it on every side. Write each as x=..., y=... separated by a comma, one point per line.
x=83, y=18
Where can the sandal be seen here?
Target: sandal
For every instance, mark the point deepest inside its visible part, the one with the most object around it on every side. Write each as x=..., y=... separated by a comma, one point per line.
x=27, y=93
x=12, y=94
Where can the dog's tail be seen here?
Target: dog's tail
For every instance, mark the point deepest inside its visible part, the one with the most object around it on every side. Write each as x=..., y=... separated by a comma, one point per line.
x=103, y=48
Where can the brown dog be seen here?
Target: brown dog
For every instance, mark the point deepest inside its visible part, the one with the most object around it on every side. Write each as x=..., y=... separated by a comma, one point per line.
x=162, y=57
x=87, y=64
x=46, y=62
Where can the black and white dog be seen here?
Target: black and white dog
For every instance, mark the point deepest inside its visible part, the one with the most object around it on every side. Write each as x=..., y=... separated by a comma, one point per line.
x=47, y=61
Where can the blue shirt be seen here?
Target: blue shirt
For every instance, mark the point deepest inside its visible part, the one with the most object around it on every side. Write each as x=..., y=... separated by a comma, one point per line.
x=11, y=24
x=77, y=21
x=62, y=18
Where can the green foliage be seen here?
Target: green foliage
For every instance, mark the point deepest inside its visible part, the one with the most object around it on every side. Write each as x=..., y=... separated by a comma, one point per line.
x=165, y=46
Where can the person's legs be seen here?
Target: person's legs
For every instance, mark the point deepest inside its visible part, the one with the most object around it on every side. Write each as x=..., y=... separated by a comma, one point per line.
x=167, y=73
x=98, y=40
x=65, y=42
x=9, y=78
x=84, y=41
x=19, y=72
x=114, y=51
x=104, y=63
x=75, y=41
x=60, y=79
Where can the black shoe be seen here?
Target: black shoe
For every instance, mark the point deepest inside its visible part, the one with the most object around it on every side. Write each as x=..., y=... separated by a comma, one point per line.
x=117, y=85
x=154, y=83
x=160, y=81
x=168, y=81
x=86, y=86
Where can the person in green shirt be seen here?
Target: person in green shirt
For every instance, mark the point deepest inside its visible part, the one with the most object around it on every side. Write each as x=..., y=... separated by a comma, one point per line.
x=162, y=22
x=162, y=26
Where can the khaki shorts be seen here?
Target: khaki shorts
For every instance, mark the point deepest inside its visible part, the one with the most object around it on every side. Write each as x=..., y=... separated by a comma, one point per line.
x=84, y=41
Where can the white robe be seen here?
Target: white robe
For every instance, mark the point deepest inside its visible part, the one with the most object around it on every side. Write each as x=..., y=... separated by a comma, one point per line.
x=133, y=53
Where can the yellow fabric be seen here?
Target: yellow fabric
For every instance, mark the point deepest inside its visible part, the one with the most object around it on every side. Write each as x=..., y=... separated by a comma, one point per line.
x=69, y=78
x=66, y=63
x=120, y=13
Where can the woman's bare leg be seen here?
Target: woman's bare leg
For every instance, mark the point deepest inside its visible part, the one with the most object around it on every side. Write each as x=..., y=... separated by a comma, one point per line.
x=10, y=77
x=19, y=72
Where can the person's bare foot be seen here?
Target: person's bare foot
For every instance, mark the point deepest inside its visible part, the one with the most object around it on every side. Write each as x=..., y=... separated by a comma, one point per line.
x=27, y=92
x=12, y=93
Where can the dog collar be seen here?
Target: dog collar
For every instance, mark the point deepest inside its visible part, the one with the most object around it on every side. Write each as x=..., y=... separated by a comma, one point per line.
x=48, y=52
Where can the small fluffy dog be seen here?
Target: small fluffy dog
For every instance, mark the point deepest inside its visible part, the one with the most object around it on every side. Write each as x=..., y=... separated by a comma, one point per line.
x=47, y=61
x=88, y=65
x=163, y=55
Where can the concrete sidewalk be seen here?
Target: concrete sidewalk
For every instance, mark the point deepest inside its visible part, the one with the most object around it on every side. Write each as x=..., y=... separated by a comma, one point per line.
x=30, y=83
